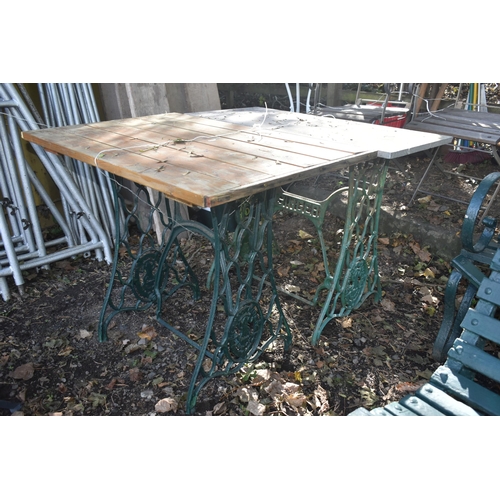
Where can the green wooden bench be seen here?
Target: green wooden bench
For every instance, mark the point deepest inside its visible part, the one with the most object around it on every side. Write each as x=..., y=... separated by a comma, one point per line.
x=468, y=382
x=478, y=247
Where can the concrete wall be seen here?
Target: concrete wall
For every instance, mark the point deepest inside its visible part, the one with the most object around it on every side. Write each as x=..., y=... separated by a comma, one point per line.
x=124, y=100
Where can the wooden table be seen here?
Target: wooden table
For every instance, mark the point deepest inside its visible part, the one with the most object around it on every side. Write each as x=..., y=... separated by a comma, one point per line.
x=234, y=162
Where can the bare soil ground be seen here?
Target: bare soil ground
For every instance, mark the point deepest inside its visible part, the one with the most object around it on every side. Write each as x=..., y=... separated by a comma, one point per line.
x=52, y=363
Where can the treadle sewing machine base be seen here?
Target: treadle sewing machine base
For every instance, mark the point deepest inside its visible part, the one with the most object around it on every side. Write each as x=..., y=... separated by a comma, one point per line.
x=215, y=160
x=245, y=315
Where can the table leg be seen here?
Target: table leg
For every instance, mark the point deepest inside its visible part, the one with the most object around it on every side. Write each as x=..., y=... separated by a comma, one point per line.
x=244, y=316
x=356, y=271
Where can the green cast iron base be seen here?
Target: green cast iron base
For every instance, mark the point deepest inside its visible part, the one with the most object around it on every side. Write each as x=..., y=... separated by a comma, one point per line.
x=245, y=316
x=354, y=275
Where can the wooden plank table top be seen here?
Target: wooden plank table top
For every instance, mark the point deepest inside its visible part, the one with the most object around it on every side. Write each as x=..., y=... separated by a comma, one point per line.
x=195, y=160
x=207, y=159
x=390, y=142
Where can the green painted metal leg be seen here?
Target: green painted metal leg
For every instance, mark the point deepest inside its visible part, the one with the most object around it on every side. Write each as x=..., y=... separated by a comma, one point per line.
x=356, y=271
x=245, y=316
x=354, y=276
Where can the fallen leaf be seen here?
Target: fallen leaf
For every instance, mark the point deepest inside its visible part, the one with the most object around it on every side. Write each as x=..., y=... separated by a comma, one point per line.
x=433, y=206
x=97, y=399
x=84, y=334
x=346, y=322
x=134, y=374
x=297, y=399
x=247, y=394
x=111, y=385
x=165, y=405
x=283, y=271
x=368, y=395
x=384, y=241
x=388, y=305
x=66, y=351
x=425, y=199
x=256, y=408
x=428, y=273
x=422, y=254
x=430, y=299
x=219, y=408
x=148, y=333
x=23, y=372
x=321, y=400
x=304, y=235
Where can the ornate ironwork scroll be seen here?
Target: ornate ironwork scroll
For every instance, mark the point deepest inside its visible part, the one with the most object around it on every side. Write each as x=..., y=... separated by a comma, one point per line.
x=356, y=272
x=242, y=313
x=353, y=275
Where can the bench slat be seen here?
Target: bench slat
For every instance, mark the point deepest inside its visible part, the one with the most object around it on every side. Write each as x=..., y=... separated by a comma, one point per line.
x=469, y=271
x=482, y=325
x=360, y=412
x=476, y=359
x=444, y=402
x=465, y=389
x=380, y=412
x=400, y=411
x=420, y=407
x=489, y=291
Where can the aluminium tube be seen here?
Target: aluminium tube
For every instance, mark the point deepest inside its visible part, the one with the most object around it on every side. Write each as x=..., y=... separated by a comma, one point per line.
x=61, y=176
x=28, y=192
x=10, y=172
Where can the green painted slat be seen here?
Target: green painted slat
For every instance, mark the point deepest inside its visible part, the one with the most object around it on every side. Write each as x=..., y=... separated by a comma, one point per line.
x=468, y=270
x=380, y=412
x=360, y=412
x=399, y=410
x=482, y=325
x=466, y=390
x=444, y=402
x=489, y=291
x=476, y=359
x=420, y=407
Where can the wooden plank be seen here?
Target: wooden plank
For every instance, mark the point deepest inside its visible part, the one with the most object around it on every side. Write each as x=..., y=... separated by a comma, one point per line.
x=360, y=412
x=190, y=178
x=420, y=407
x=348, y=135
x=399, y=410
x=288, y=141
x=482, y=325
x=466, y=390
x=475, y=359
x=470, y=272
x=439, y=96
x=489, y=291
x=420, y=98
x=380, y=412
x=238, y=145
x=444, y=402
x=277, y=151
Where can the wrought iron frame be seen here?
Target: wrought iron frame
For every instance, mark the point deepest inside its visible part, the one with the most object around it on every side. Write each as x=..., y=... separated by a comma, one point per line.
x=354, y=276
x=241, y=280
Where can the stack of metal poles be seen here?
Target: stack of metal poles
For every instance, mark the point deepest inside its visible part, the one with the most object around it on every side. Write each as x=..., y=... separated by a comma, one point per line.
x=86, y=221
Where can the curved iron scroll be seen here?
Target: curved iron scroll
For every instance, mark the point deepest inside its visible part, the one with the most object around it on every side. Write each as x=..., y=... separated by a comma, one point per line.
x=244, y=315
